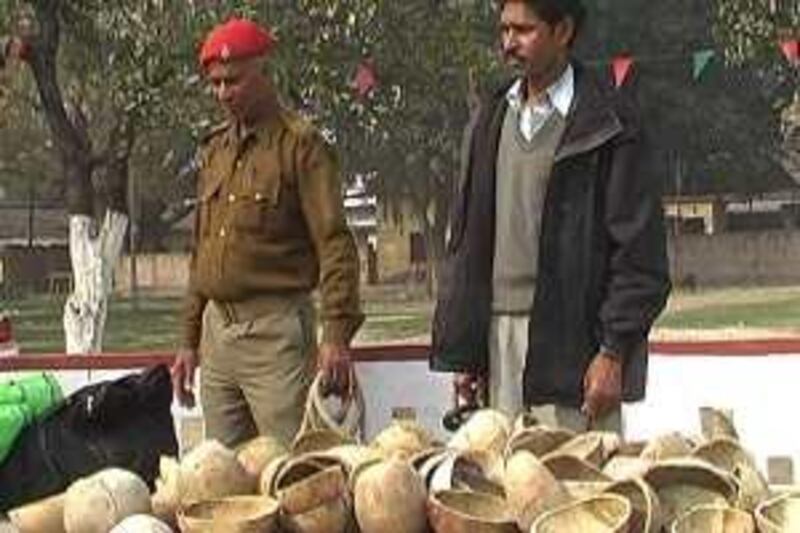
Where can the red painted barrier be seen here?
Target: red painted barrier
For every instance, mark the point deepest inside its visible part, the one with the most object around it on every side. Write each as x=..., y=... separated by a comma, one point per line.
x=762, y=347
x=116, y=361
x=383, y=353
x=6, y=333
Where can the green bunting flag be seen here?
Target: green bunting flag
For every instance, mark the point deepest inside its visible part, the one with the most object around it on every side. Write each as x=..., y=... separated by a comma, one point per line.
x=702, y=59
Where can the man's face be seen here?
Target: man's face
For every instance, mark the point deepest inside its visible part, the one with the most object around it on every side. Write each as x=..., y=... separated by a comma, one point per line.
x=236, y=84
x=529, y=43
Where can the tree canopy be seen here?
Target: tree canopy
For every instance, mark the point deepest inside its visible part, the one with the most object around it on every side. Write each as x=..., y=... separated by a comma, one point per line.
x=390, y=82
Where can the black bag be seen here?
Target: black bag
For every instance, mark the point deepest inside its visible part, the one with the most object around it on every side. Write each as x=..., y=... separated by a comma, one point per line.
x=125, y=423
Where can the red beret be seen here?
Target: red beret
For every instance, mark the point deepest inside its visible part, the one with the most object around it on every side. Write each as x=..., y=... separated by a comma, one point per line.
x=236, y=39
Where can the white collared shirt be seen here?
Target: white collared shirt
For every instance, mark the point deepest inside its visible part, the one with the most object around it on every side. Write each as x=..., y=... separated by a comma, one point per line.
x=557, y=97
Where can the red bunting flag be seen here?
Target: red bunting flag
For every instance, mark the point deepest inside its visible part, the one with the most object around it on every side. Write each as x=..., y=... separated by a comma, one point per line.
x=14, y=49
x=621, y=66
x=365, y=79
x=19, y=49
x=791, y=50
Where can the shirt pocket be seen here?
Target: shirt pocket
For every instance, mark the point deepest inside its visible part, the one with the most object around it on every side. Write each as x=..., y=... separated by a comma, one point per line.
x=255, y=203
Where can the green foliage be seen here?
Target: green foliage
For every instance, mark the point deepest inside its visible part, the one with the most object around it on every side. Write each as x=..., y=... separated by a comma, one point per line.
x=127, y=63
x=428, y=58
x=131, y=63
x=750, y=30
x=718, y=134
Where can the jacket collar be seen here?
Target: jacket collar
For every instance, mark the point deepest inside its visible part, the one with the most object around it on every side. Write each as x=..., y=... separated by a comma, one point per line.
x=592, y=121
x=263, y=130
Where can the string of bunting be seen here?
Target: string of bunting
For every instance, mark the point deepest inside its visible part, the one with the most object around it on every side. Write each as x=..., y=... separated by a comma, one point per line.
x=622, y=65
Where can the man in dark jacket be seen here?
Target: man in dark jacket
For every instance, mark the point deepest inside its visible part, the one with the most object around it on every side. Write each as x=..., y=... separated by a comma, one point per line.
x=556, y=265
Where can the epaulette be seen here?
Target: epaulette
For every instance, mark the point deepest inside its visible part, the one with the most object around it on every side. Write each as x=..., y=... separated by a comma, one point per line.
x=212, y=132
x=204, y=148
x=298, y=124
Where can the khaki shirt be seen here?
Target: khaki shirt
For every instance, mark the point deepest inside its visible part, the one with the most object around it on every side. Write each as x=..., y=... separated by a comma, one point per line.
x=270, y=219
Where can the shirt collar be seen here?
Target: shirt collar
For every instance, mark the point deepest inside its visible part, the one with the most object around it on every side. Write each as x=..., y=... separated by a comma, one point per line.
x=561, y=92
x=264, y=130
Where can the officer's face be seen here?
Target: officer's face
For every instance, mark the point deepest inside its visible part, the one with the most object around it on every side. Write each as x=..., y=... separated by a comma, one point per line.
x=529, y=43
x=236, y=85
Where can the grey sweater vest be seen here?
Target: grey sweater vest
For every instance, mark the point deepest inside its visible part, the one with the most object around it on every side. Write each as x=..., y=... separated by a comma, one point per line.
x=523, y=170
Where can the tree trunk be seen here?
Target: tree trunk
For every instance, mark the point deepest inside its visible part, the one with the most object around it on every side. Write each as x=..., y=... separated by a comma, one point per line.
x=93, y=254
x=93, y=259
x=433, y=233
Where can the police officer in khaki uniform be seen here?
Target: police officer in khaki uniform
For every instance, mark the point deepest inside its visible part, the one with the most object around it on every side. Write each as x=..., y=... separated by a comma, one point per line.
x=270, y=228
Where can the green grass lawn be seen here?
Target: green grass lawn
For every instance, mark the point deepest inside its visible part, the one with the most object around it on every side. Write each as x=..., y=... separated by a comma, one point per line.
x=152, y=323
x=148, y=324
x=775, y=313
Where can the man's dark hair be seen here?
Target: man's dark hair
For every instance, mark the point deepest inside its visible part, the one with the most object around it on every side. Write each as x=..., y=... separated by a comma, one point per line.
x=554, y=11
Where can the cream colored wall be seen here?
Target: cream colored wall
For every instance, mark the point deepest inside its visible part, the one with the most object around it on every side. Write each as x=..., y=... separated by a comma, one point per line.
x=154, y=272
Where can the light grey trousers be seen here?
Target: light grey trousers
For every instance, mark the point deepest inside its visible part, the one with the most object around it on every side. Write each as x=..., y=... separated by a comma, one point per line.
x=508, y=346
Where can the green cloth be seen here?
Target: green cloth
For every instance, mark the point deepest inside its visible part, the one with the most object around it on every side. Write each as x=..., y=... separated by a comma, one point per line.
x=22, y=402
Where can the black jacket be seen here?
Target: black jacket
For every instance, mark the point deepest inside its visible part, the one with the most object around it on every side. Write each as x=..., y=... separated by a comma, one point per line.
x=602, y=268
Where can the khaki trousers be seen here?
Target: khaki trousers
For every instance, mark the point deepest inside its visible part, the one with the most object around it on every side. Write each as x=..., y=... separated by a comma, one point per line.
x=508, y=346
x=257, y=363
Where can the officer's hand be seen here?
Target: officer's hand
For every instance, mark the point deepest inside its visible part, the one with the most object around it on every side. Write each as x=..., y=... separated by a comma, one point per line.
x=183, y=370
x=602, y=386
x=336, y=365
x=467, y=387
